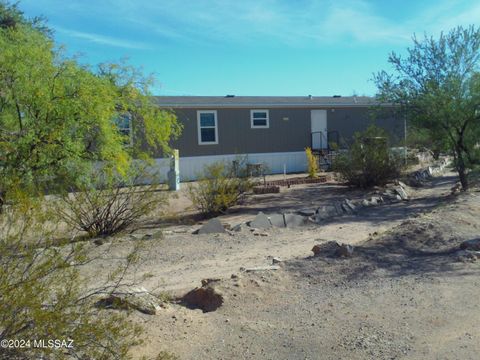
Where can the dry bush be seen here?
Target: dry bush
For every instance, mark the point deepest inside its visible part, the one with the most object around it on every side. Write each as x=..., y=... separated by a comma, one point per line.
x=220, y=186
x=104, y=206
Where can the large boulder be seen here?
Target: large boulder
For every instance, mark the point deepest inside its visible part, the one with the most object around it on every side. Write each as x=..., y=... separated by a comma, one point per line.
x=212, y=226
x=277, y=220
x=325, y=212
x=261, y=221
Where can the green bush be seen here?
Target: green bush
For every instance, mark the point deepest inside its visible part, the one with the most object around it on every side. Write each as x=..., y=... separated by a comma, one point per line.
x=43, y=296
x=220, y=186
x=369, y=162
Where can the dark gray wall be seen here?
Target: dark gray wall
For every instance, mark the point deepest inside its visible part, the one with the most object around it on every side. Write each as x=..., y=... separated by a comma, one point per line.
x=348, y=121
x=235, y=136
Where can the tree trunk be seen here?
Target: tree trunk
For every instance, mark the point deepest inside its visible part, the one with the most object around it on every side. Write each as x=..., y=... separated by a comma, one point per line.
x=462, y=173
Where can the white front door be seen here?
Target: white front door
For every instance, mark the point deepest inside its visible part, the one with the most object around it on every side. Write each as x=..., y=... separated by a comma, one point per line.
x=319, y=129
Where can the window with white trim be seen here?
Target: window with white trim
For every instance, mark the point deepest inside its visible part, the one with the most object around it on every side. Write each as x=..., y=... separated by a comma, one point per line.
x=124, y=127
x=259, y=119
x=207, y=127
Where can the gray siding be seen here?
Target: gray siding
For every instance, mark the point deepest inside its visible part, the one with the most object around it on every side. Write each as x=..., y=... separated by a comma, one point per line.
x=235, y=136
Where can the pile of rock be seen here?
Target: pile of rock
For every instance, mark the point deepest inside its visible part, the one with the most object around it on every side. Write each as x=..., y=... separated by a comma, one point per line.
x=394, y=192
x=419, y=177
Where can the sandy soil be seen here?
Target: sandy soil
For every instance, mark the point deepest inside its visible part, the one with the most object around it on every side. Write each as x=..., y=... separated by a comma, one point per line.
x=404, y=295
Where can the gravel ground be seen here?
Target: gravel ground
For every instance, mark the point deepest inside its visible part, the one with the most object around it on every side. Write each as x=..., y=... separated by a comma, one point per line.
x=403, y=295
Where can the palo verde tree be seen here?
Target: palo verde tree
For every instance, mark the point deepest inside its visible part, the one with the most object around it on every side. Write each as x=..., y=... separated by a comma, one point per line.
x=437, y=84
x=57, y=117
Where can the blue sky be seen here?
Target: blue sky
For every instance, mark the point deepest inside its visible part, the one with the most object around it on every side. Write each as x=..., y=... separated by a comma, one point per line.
x=250, y=47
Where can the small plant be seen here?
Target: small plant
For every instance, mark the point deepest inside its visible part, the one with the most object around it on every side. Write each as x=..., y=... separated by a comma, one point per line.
x=106, y=205
x=369, y=161
x=220, y=186
x=312, y=163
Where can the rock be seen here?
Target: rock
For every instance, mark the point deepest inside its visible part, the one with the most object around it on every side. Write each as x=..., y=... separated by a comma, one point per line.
x=333, y=248
x=99, y=241
x=344, y=250
x=401, y=192
x=307, y=212
x=366, y=203
x=276, y=260
x=350, y=204
x=375, y=200
x=205, y=298
x=347, y=209
x=212, y=226
x=338, y=208
x=210, y=281
x=277, y=220
x=467, y=255
x=325, y=212
x=239, y=227
x=260, y=221
x=132, y=298
x=294, y=220
x=327, y=248
x=456, y=188
x=260, y=268
x=473, y=244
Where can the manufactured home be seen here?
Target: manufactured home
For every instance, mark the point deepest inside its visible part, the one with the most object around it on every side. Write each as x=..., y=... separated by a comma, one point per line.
x=270, y=130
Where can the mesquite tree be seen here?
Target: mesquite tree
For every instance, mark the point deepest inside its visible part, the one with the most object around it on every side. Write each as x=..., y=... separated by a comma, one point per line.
x=437, y=84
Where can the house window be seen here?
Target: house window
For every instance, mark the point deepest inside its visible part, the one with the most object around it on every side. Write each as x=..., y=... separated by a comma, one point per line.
x=259, y=119
x=207, y=127
x=124, y=126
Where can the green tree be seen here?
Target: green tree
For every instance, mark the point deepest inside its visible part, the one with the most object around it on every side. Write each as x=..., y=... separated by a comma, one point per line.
x=438, y=86
x=57, y=117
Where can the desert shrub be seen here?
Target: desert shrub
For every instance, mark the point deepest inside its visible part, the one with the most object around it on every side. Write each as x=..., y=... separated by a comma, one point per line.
x=369, y=162
x=312, y=163
x=105, y=205
x=43, y=296
x=219, y=187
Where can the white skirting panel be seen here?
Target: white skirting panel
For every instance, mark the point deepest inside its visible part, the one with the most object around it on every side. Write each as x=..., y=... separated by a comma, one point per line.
x=191, y=167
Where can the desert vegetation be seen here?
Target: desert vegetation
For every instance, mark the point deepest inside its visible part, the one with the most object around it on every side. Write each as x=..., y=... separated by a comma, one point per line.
x=369, y=161
x=220, y=186
x=78, y=235
x=57, y=124
x=437, y=86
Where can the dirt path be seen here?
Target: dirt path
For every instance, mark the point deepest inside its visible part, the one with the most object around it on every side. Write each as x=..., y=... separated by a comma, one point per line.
x=181, y=260
x=404, y=295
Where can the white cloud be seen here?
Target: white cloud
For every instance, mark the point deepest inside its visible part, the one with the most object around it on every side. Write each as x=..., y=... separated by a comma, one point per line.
x=102, y=39
x=289, y=22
